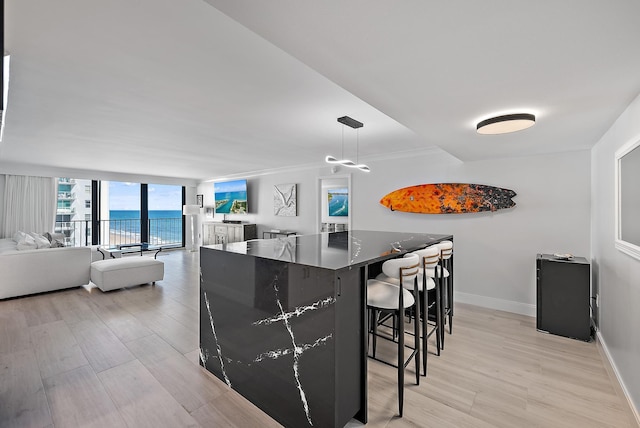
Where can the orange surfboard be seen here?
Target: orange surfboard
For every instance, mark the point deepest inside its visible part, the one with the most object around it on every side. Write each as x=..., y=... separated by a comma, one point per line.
x=448, y=198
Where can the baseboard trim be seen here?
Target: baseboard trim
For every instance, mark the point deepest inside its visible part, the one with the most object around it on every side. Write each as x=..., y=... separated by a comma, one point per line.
x=605, y=351
x=493, y=303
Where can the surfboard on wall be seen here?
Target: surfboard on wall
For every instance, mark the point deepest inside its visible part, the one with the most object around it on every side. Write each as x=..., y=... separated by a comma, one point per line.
x=448, y=198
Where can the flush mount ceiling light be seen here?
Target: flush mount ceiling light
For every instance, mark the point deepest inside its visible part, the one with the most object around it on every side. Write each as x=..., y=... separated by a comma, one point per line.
x=346, y=120
x=505, y=124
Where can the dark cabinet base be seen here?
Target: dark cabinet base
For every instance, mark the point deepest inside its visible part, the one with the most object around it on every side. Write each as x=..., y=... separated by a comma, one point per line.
x=563, y=297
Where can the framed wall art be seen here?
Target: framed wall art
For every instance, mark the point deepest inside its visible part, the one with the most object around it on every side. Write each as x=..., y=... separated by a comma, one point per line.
x=285, y=200
x=338, y=202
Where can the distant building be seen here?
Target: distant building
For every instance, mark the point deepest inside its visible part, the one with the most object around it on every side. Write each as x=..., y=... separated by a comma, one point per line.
x=73, y=213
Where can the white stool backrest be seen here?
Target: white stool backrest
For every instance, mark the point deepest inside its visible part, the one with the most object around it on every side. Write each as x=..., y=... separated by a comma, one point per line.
x=405, y=268
x=446, y=249
x=428, y=256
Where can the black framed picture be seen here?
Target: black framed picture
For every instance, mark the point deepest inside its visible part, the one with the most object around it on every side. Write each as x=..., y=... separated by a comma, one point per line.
x=200, y=200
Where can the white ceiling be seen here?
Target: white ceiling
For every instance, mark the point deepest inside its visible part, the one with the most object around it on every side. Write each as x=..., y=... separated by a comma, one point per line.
x=198, y=90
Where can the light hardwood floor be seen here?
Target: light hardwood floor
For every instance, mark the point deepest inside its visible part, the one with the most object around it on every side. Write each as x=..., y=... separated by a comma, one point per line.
x=130, y=358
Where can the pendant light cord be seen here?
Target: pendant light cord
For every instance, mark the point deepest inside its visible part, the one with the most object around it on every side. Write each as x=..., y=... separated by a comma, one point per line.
x=357, y=144
x=342, y=157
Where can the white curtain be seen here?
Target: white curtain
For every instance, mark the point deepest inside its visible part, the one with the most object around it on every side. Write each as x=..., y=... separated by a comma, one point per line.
x=29, y=204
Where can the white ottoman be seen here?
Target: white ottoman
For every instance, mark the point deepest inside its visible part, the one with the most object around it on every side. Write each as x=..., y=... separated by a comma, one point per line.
x=117, y=273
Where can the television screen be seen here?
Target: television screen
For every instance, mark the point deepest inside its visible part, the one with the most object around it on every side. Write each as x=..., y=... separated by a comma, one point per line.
x=231, y=197
x=338, y=202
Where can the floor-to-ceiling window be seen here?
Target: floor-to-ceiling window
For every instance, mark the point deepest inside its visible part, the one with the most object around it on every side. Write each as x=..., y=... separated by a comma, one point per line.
x=140, y=212
x=113, y=213
x=122, y=203
x=165, y=214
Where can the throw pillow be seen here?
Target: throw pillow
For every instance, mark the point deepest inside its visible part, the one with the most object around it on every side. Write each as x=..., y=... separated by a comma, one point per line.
x=41, y=241
x=19, y=236
x=57, y=243
x=25, y=242
x=56, y=239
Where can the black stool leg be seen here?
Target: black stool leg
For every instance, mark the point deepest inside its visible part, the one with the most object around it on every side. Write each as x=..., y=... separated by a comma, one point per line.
x=369, y=319
x=374, y=321
x=438, y=317
x=444, y=290
x=416, y=338
x=400, y=362
x=425, y=326
x=450, y=284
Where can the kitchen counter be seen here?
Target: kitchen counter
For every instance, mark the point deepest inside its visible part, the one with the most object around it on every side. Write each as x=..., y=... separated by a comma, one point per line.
x=283, y=321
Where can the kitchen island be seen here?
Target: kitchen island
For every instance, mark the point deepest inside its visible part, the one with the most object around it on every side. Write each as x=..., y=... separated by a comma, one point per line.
x=283, y=321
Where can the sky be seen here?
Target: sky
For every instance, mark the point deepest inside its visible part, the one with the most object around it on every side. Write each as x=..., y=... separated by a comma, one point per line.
x=126, y=196
x=230, y=186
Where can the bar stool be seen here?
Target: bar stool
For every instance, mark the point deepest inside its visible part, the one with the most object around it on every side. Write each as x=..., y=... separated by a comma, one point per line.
x=394, y=299
x=428, y=259
x=430, y=276
x=446, y=257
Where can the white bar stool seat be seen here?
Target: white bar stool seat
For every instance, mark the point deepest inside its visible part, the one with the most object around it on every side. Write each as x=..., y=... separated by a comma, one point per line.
x=384, y=295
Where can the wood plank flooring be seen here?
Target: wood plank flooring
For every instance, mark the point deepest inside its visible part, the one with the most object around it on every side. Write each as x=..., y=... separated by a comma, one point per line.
x=129, y=358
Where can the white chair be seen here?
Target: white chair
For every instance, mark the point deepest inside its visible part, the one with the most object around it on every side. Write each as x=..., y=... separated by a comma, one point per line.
x=384, y=297
x=446, y=258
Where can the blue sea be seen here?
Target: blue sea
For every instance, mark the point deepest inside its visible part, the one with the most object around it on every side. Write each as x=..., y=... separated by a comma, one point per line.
x=164, y=226
x=229, y=197
x=338, y=204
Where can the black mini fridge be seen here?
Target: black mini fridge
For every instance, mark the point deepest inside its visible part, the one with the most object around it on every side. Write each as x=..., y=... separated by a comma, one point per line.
x=563, y=296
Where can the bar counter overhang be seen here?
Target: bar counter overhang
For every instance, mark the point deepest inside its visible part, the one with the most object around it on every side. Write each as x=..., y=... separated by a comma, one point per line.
x=283, y=321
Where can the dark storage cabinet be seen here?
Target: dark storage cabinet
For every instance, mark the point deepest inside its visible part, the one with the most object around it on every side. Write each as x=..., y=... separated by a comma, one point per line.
x=563, y=296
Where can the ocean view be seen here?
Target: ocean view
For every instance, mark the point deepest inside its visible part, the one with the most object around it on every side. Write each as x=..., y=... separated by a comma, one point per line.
x=338, y=203
x=165, y=226
x=231, y=202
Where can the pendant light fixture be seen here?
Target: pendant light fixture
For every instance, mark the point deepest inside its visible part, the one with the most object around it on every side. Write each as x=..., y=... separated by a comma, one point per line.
x=505, y=124
x=346, y=120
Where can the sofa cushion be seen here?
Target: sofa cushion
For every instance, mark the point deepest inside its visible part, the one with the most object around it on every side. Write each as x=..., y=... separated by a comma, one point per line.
x=7, y=245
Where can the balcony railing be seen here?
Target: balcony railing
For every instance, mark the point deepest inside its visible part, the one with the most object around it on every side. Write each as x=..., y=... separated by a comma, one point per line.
x=161, y=231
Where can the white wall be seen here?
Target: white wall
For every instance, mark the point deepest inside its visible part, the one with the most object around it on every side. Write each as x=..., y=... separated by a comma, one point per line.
x=2, y=180
x=494, y=252
x=616, y=276
x=260, y=203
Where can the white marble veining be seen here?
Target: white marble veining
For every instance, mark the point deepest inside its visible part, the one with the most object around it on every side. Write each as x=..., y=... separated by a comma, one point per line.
x=297, y=311
x=286, y=351
x=356, y=245
x=296, y=354
x=215, y=336
x=297, y=349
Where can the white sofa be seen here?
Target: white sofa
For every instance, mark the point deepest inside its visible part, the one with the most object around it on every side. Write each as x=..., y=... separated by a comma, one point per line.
x=47, y=269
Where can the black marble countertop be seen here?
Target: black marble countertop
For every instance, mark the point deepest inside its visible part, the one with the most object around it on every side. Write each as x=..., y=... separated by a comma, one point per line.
x=333, y=250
